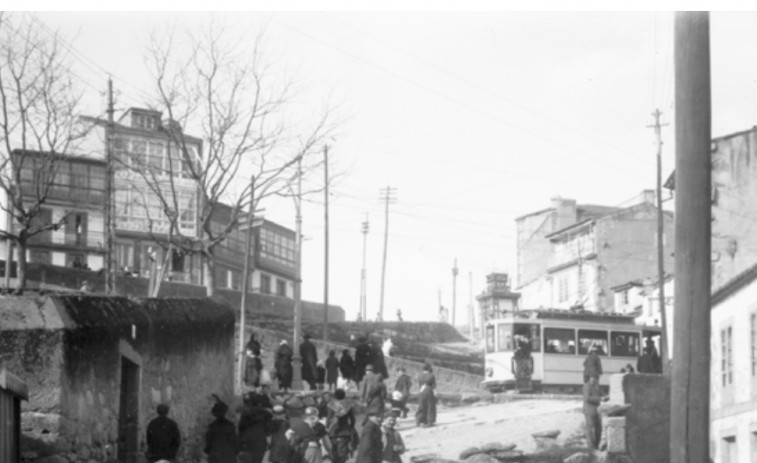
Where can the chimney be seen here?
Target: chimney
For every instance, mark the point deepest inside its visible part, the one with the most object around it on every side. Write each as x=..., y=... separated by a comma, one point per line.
x=648, y=196
x=564, y=212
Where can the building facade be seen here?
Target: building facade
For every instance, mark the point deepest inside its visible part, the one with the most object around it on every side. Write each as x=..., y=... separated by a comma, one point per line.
x=73, y=196
x=497, y=300
x=733, y=370
x=577, y=266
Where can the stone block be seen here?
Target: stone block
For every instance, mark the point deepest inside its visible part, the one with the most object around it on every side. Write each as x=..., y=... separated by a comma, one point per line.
x=425, y=458
x=497, y=447
x=616, y=434
x=617, y=394
x=481, y=458
x=509, y=456
x=469, y=452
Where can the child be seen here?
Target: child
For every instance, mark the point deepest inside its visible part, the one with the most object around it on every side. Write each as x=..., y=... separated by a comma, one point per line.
x=397, y=403
x=320, y=375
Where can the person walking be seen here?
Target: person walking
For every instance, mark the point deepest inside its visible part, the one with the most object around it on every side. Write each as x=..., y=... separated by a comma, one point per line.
x=368, y=381
x=403, y=385
x=254, y=364
x=221, y=442
x=347, y=366
x=283, y=365
x=252, y=430
x=341, y=428
x=426, y=413
x=280, y=447
x=370, y=447
x=592, y=364
x=309, y=357
x=592, y=398
x=163, y=436
x=394, y=446
x=376, y=396
x=363, y=358
x=332, y=371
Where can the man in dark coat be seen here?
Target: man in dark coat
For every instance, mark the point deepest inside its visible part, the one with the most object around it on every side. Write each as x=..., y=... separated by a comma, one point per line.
x=254, y=364
x=253, y=424
x=283, y=365
x=332, y=371
x=425, y=415
x=363, y=358
x=221, y=442
x=163, y=437
x=649, y=362
x=309, y=362
x=403, y=385
x=592, y=399
x=592, y=364
x=370, y=448
x=347, y=366
x=377, y=359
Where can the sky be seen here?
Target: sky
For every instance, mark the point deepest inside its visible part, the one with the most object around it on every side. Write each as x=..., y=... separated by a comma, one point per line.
x=473, y=118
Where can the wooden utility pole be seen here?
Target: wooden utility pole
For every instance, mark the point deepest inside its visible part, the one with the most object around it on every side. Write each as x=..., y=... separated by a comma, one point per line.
x=297, y=333
x=471, y=315
x=454, y=291
x=363, y=289
x=386, y=195
x=108, y=216
x=690, y=404
x=325, y=334
x=248, y=247
x=661, y=245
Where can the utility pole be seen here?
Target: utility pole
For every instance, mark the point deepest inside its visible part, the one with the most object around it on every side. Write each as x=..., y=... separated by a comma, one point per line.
x=690, y=390
x=454, y=291
x=325, y=335
x=363, y=300
x=471, y=316
x=439, y=294
x=245, y=285
x=108, y=216
x=660, y=244
x=388, y=196
x=297, y=334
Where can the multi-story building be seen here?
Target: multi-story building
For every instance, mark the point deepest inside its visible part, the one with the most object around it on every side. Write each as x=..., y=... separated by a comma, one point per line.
x=733, y=370
x=568, y=258
x=146, y=159
x=273, y=259
x=497, y=299
x=74, y=196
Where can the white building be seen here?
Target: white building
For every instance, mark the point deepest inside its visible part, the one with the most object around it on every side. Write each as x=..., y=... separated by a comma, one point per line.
x=733, y=370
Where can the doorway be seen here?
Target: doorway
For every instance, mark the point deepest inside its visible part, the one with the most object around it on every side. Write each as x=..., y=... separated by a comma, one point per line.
x=128, y=412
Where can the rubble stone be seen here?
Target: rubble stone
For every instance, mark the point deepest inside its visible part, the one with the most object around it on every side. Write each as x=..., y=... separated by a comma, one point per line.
x=481, y=458
x=579, y=457
x=469, y=452
x=497, y=447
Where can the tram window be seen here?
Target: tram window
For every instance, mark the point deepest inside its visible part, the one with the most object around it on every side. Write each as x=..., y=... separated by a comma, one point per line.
x=559, y=341
x=504, y=337
x=589, y=338
x=490, y=338
x=624, y=344
x=528, y=333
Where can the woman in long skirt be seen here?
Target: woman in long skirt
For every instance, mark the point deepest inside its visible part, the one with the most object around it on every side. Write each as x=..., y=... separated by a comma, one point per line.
x=426, y=414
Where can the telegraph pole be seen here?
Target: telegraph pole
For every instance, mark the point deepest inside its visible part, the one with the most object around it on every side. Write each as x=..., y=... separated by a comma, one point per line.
x=245, y=285
x=109, y=219
x=471, y=316
x=660, y=244
x=325, y=335
x=388, y=196
x=363, y=300
x=690, y=391
x=454, y=291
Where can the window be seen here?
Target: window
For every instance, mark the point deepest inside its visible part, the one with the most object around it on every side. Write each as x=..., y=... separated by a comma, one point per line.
x=753, y=339
x=39, y=257
x=265, y=284
x=730, y=451
x=490, y=338
x=76, y=229
x=528, y=333
x=559, y=341
x=726, y=352
x=624, y=297
x=236, y=280
x=125, y=256
x=504, y=337
x=281, y=288
x=581, y=283
x=562, y=289
x=43, y=217
x=589, y=338
x=624, y=344
x=177, y=261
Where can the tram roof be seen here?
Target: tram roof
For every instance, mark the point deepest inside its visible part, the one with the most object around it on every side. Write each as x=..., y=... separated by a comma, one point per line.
x=585, y=315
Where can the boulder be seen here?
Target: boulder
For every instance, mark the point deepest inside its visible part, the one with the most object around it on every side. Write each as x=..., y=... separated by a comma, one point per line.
x=579, y=457
x=469, y=452
x=481, y=458
x=497, y=447
x=509, y=456
x=551, y=434
x=425, y=458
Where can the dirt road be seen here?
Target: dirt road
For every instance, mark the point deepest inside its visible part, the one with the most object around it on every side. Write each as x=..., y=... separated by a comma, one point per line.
x=459, y=428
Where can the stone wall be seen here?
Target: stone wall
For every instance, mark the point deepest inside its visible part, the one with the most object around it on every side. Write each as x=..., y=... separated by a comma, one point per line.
x=648, y=419
x=183, y=350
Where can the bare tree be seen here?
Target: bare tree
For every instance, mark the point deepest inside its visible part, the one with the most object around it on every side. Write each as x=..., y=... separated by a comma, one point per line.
x=38, y=125
x=238, y=106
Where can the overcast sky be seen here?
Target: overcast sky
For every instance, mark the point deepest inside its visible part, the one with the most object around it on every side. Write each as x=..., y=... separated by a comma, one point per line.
x=474, y=117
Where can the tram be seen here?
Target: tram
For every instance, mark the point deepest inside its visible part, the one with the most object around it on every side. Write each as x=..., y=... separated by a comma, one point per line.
x=557, y=342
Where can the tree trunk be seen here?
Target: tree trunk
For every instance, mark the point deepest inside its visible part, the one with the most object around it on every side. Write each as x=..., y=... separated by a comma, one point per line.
x=21, y=267
x=209, y=267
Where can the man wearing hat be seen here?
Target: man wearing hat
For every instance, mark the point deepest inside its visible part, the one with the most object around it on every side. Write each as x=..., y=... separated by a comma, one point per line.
x=221, y=443
x=592, y=364
x=309, y=357
x=592, y=398
x=280, y=448
x=163, y=437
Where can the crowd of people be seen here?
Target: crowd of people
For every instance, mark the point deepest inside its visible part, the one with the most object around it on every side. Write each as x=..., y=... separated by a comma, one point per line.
x=326, y=429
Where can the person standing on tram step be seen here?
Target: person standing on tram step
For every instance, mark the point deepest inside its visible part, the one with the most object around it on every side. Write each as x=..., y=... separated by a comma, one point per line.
x=309, y=357
x=592, y=364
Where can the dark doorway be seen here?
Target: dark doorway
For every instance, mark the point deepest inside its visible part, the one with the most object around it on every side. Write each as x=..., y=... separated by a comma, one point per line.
x=128, y=412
